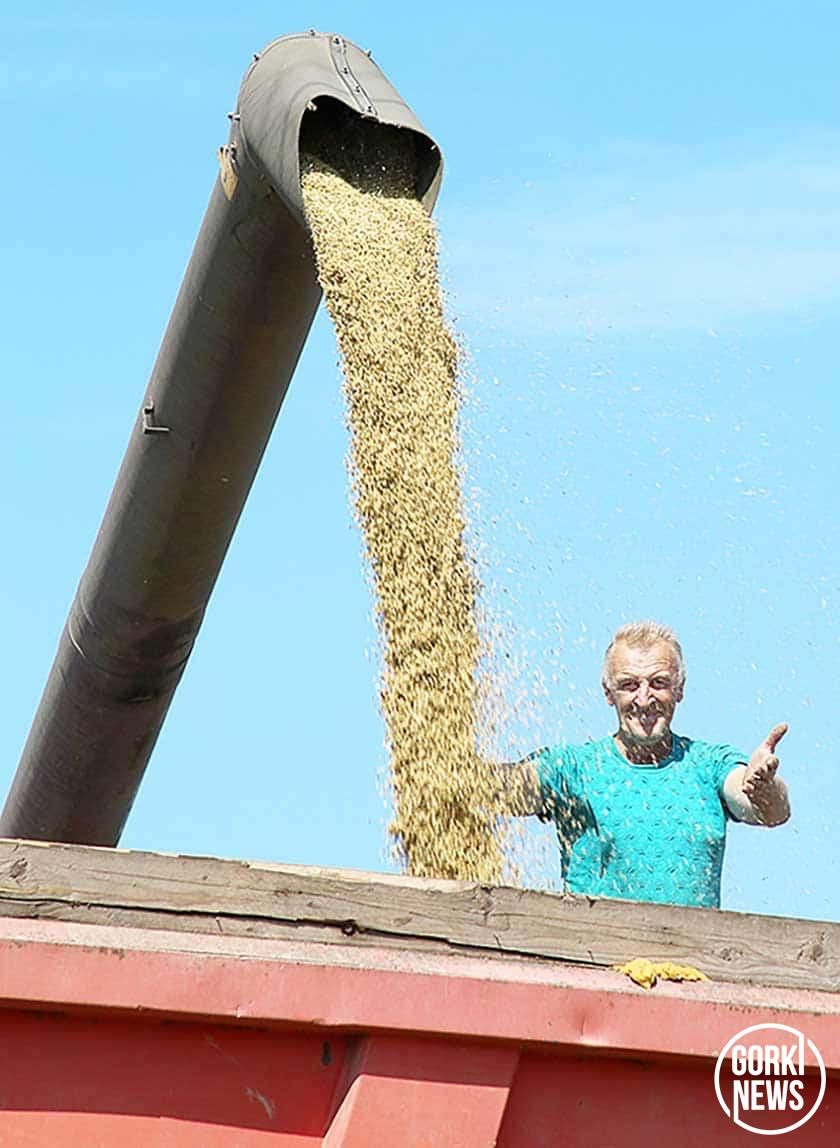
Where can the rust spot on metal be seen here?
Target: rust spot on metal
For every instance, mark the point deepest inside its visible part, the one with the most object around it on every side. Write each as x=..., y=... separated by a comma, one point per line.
x=118, y=953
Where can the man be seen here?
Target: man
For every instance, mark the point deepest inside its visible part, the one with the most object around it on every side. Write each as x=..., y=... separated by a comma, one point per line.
x=642, y=814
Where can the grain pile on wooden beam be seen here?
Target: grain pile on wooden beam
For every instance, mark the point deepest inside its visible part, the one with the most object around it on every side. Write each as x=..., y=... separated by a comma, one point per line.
x=376, y=249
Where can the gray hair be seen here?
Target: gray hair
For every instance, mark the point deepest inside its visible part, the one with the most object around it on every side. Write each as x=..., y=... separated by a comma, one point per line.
x=644, y=634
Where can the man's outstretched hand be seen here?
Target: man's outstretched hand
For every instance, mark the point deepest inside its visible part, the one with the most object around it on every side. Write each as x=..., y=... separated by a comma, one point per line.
x=767, y=796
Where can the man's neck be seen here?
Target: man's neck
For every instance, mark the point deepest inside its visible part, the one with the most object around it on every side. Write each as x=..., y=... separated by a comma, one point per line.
x=643, y=754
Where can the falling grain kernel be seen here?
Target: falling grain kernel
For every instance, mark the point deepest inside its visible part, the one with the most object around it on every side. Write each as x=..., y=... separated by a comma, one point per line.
x=376, y=250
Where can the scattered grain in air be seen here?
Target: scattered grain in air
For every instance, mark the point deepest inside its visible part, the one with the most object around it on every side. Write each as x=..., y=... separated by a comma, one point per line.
x=376, y=250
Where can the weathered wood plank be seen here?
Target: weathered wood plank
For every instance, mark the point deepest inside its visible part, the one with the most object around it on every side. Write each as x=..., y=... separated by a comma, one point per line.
x=256, y=928
x=199, y=894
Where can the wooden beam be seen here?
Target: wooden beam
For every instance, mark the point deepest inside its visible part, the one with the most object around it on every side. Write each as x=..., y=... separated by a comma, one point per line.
x=205, y=894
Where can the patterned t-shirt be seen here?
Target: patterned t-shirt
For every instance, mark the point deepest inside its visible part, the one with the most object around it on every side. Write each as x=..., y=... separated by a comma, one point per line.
x=640, y=832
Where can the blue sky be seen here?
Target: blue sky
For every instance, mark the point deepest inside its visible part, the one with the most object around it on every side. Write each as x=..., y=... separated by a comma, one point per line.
x=641, y=252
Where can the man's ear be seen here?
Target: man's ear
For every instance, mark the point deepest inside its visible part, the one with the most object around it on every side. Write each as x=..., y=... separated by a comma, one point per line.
x=678, y=692
x=608, y=696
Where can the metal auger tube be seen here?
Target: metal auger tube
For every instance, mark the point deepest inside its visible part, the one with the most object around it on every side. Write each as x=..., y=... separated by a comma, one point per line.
x=240, y=321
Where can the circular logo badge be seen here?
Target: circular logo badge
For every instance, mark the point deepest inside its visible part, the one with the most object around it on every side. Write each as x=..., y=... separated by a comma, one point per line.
x=761, y=1082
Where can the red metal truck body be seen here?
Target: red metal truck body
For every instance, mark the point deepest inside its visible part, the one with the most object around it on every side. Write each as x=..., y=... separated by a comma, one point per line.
x=139, y=1034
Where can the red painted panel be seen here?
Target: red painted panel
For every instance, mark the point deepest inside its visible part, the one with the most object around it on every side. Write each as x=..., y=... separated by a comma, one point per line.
x=610, y=1102
x=388, y=990
x=164, y=1047
x=77, y=1081
x=412, y=1093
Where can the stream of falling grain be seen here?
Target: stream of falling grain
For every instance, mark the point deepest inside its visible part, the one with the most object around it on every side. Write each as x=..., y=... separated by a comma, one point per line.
x=376, y=250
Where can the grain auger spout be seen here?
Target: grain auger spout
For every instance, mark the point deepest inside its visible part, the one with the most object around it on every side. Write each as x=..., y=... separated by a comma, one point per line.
x=239, y=323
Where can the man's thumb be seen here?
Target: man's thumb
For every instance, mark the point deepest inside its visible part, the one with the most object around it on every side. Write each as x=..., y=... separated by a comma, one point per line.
x=775, y=735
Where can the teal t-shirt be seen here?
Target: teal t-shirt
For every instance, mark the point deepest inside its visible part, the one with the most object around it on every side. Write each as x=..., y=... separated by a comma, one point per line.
x=640, y=832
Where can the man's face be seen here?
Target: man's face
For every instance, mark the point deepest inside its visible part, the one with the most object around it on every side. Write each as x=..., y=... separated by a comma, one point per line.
x=643, y=687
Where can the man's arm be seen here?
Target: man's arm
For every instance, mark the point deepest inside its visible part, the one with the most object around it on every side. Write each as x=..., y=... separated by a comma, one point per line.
x=519, y=788
x=753, y=793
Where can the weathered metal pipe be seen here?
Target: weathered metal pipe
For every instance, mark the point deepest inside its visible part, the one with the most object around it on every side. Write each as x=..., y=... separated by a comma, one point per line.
x=239, y=324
